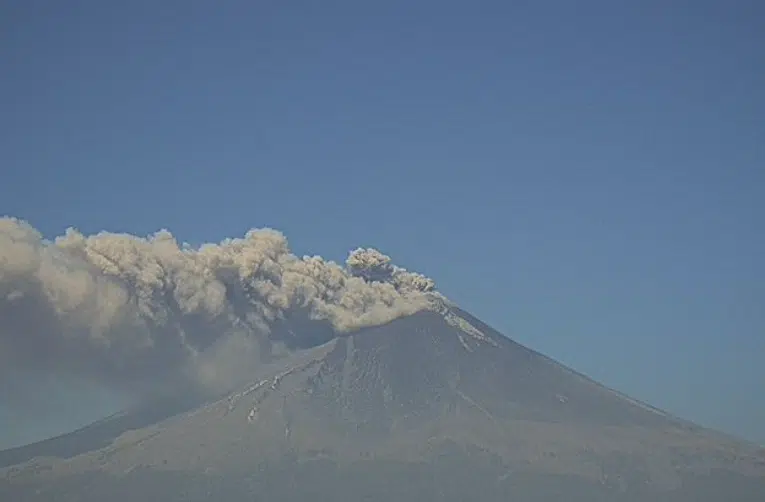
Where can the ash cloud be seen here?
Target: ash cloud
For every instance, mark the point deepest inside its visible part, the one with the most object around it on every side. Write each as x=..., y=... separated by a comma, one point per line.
x=128, y=310
x=371, y=265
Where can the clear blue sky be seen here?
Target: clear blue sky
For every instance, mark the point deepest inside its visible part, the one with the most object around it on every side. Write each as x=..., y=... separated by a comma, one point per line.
x=588, y=177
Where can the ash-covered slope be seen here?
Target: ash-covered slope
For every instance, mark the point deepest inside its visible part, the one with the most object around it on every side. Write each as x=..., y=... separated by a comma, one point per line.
x=432, y=406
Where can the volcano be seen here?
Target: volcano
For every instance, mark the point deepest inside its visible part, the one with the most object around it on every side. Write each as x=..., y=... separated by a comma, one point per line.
x=430, y=406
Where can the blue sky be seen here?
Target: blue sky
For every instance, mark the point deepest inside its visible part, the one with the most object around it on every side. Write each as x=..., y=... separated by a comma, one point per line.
x=588, y=177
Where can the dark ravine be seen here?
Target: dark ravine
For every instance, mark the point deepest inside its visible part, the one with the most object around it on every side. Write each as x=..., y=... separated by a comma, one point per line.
x=431, y=406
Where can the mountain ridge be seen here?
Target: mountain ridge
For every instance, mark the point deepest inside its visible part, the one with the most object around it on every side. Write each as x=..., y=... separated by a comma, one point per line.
x=437, y=393
x=191, y=401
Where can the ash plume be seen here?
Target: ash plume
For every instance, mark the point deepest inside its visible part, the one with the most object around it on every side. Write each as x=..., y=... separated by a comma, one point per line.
x=372, y=265
x=127, y=310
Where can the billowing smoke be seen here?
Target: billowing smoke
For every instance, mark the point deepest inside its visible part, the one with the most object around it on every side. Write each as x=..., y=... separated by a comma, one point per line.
x=372, y=265
x=129, y=310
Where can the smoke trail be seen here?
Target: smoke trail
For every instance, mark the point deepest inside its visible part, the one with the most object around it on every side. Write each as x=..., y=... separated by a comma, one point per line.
x=126, y=309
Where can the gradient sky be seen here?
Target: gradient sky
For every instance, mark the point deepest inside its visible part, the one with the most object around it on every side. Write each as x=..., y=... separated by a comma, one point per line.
x=588, y=177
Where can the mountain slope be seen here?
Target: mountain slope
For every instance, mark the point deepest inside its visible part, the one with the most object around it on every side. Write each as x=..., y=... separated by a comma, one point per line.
x=434, y=405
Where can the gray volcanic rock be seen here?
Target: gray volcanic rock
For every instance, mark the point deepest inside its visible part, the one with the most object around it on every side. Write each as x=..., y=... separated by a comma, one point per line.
x=431, y=406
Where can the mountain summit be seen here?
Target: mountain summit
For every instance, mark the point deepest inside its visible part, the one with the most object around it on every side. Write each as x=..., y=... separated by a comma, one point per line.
x=298, y=378
x=433, y=406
